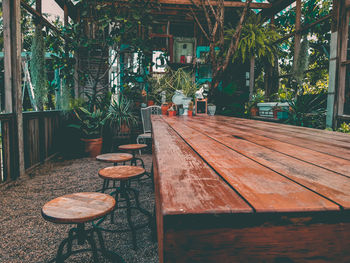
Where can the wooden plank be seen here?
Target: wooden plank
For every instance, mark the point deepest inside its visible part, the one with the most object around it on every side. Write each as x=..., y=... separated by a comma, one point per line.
x=323, y=160
x=328, y=135
x=327, y=183
x=6, y=153
x=307, y=143
x=214, y=3
x=339, y=139
x=312, y=138
x=264, y=189
x=192, y=187
x=292, y=242
x=236, y=4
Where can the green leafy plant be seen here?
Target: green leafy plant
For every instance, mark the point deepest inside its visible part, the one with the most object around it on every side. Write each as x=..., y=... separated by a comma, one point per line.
x=257, y=39
x=38, y=69
x=90, y=123
x=308, y=110
x=344, y=127
x=172, y=81
x=257, y=97
x=120, y=114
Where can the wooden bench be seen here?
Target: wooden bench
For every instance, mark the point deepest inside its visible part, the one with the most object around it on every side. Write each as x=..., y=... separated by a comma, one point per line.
x=229, y=191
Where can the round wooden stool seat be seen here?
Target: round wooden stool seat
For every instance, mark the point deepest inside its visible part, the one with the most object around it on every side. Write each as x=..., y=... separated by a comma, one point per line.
x=132, y=147
x=78, y=207
x=114, y=157
x=124, y=172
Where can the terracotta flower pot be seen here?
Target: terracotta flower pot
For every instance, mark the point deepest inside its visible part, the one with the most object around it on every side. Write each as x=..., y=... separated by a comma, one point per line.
x=254, y=111
x=164, y=109
x=172, y=113
x=92, y=147
x=190, y=113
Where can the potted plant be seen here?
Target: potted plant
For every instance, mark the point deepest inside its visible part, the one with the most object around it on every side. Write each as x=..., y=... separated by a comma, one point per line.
x=172, y=110
x=275, y=110
x=90, y=124
x=256, y=98
x=120, y=116
x=211, y=109
x=164, y=108
x=190, y=108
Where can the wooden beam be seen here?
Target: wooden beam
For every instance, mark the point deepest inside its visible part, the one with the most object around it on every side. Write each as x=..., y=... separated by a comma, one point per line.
x=333, y=67
x=72, y=10
x=277, y=6
x=39, y=16
x=297, y=38
x=214, y=3
x=305, y=28
x=13, y=48
x=7, y=55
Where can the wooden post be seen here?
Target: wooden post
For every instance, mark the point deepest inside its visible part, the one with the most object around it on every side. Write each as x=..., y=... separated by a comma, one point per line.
x=251, y=77
x=13, y=78
x=333, y=66
x=7, y=56
x=297, y=37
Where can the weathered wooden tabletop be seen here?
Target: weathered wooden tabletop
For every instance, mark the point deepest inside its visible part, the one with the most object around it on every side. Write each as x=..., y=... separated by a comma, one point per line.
x=216, y=176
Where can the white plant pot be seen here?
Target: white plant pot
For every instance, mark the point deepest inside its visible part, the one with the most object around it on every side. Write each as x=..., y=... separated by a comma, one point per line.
x=185, y=103
x=211, y=110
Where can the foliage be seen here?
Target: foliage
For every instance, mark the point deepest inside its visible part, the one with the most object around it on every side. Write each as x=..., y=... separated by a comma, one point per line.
x=171, y=81
x=344, y=127
x=257, y=97
x=257, y=39
x=213, y=29
x=319, y=42
x=90, y=122
x=38, y=69
x=102, y=27
x=308, y=110
x=120, y=113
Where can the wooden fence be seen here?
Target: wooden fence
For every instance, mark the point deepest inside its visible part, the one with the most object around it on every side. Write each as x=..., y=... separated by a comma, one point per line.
x=40, y=130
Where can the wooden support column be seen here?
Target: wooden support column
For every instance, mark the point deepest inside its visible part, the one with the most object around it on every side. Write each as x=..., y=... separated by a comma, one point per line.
x=334, y=66
x=13, y=78
x=251, y=77
x=297, y=38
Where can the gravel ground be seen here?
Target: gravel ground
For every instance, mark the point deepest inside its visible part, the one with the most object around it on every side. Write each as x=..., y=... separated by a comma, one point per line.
x=26, y=237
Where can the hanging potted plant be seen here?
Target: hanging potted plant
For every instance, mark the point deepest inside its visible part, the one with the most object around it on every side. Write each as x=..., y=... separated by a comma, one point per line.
x=90, y=124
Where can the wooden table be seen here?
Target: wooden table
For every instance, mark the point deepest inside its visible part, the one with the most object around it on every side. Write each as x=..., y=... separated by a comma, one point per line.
x=238, y=190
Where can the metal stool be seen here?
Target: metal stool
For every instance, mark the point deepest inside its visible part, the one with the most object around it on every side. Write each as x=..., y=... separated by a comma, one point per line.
x=134, y=148
x=123, y=193
x=80, y=208
x=114, y=158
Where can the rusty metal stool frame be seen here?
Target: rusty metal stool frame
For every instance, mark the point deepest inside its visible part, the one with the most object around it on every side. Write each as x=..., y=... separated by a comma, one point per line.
x=82, y=235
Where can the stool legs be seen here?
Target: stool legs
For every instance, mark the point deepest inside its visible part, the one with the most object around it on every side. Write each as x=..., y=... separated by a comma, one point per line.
x=82, y=235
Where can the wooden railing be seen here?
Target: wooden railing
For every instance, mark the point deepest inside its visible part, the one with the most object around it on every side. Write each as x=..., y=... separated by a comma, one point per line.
x=40, y=131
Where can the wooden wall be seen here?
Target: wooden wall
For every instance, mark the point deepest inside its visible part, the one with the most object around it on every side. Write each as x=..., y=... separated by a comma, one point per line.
x=40, y=130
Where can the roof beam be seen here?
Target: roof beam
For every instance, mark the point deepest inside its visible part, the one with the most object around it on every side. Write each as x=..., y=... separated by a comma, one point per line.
x=226, y=3
x=277, y=6
x=39, y=16
x=72, y=13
